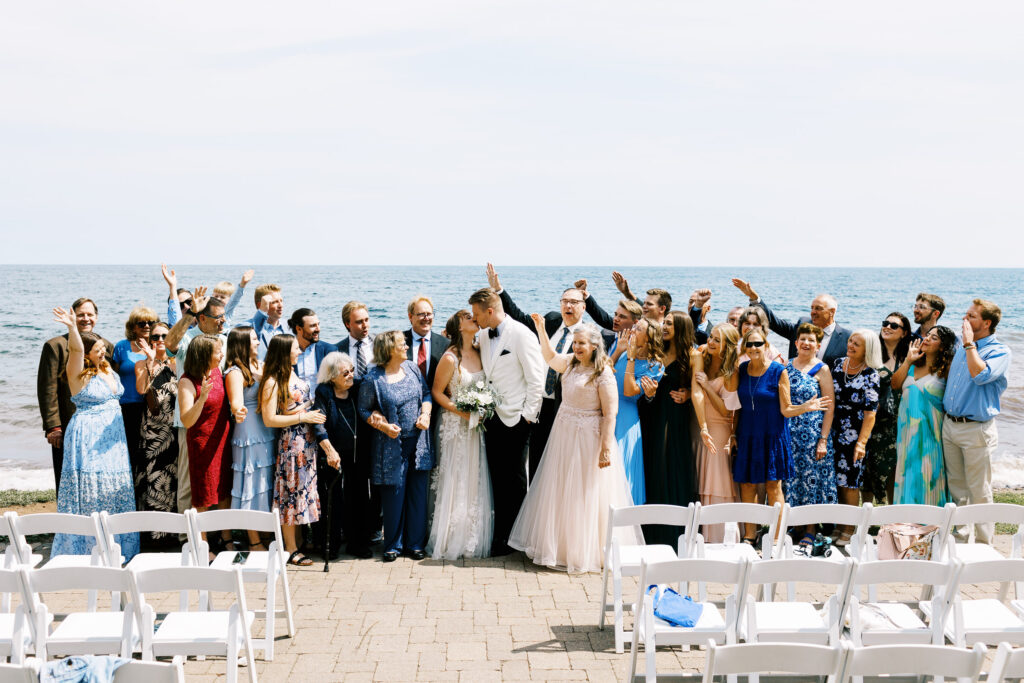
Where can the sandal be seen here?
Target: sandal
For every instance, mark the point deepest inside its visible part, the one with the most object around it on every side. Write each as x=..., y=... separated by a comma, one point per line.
x=807, y=541
x=297, y=559
x=752, y=542
x=843, y=540
x=257, y=547
x=230, y=545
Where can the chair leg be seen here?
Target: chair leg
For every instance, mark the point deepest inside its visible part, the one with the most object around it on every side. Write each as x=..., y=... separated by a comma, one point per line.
x=268, y=635
x=651, y=673
x=617, y=602
x=289, y=615
x=604, y=595
x=232, y=657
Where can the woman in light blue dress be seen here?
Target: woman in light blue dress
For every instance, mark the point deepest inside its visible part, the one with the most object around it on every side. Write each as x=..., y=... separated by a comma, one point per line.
x=97, y=475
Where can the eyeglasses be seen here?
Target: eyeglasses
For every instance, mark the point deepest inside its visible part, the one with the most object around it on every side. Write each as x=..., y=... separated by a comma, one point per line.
x=185, y=304
x=891, y=325
x=157, y=337
x=572, y=302
x=428, y=314
x=217, y=318
x=922, y=307
x=144, y=323
x=754, y=344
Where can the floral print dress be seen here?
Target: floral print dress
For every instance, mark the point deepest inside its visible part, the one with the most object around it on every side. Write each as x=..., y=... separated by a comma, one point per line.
x=295, y=493
x=814, y=481
x=855, y=395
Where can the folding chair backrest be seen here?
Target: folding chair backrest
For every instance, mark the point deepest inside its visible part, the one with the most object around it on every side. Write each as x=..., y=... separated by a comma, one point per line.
x=10, y=584
x=146, y=520
x=110, y=579
x=218, y=520
x=919, y=514
x=920, y=572
x=1007, y=664
x=803, y=515
x=19, y=673
x=980, y=513
x=149, y=672
x=176, y=579
x=54, y=523
x=751, y=513
x=700, y=571
x=635, y=515
x=804, y=570
x=763, y=658
x=11, y=555
x=989, y=571
x=919, y=660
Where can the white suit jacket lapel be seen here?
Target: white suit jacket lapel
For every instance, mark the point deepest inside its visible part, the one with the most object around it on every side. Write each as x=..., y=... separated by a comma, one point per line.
x=485, y=351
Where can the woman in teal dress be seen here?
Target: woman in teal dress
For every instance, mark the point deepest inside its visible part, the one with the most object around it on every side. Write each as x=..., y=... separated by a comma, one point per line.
x=920, y=477
x=637, y=357
x=96, y=476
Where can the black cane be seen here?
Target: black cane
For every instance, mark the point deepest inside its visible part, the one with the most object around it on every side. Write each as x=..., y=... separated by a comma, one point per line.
x=327, y=526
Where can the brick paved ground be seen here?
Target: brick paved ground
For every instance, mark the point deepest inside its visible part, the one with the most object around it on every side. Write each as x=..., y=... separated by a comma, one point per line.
x=473, y=620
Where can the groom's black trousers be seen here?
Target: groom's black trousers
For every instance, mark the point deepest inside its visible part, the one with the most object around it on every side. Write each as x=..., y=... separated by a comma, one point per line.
x=540, y=432
x=506, y=460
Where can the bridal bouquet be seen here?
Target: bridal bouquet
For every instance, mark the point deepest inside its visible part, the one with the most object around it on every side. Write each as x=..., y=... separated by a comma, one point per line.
x=479, y=400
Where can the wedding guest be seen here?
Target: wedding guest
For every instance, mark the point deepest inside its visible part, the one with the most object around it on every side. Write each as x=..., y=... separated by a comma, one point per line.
x=920, y=475
x=126, y=354
x=284, y=403
x=156, y=482
x=670, y=468
x=880, y=469
x=178, y=300
x=96, y=475
x=267, y=319
x=735, y=314
x=396, y=394
x=814, y=478
x=559, y=326
x=753, y=317
x=640, y=355
x=52, y=390
x=977, y=378
x=305, y=325
x=207, y=420
x=928, y=308
x=563, y=521
x=359, y=342
x=253, y=444
x=337, y=394
x=463, y=519
x=204, y=316
x=855, y=380
x=425, y=347
x=626, y=314
x=512, y=361
x=823, y=314
x=763, y=444
x=718, y=381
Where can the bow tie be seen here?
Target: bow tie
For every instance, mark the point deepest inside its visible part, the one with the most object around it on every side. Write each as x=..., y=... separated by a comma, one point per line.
x=493, y=333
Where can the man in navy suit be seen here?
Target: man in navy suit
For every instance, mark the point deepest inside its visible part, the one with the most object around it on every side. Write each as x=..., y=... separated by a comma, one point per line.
x=823, y=314
x=305, y=325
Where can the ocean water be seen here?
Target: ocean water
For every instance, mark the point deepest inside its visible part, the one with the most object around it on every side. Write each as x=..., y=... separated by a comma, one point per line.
x=866, y=296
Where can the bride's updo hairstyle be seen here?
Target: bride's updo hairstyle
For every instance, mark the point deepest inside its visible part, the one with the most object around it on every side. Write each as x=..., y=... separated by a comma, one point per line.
x=599, y=357
x=453, y=330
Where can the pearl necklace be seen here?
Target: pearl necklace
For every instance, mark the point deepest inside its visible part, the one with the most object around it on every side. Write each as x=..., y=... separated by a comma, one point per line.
x=847, y=375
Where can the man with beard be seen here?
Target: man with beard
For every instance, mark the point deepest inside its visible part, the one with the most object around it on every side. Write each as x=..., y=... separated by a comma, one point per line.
x=927, y=310
x=305, y=325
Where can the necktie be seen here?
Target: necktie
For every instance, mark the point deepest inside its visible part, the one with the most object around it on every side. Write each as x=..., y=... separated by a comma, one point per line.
x=552, y=378
x=493, y=333
x=360, y=362
x=421, y=357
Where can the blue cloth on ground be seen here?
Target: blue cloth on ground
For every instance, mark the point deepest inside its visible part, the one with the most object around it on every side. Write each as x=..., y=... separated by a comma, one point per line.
x=80, y=669
x=674, y=608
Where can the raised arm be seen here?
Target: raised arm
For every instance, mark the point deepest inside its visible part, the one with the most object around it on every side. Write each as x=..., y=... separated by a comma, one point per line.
x=622, y=284
x=173, y=309
x=557, y=362
x=190, y=406
x=900, y=376
x=143, y=369
x=596, y=313
x=174, y=336
x=76, y=350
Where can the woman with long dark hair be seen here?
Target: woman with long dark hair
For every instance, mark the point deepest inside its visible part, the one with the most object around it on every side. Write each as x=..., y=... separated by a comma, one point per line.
x=285, y=403
x=920, y=475
x=880, y=468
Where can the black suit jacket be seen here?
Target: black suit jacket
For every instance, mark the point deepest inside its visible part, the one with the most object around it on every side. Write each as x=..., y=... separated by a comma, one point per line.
x=552, y=321
x=438, y=345
x=786, y=329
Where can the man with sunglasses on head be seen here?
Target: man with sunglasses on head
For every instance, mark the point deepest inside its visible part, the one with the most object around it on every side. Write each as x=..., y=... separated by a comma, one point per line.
x=927, y=310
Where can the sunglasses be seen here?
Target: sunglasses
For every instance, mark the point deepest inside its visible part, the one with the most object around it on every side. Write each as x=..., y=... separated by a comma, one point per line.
x=185, y=304
x=157, y=337
x=755, y=344
x=891, y=325
x=145, y=323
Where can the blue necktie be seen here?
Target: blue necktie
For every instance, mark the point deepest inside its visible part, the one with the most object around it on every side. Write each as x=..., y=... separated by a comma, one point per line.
x=552, y=379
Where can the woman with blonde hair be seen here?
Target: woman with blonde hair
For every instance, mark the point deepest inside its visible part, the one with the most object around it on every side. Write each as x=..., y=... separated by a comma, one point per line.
x=127, y=353
x=156, y=481
x=718, y=381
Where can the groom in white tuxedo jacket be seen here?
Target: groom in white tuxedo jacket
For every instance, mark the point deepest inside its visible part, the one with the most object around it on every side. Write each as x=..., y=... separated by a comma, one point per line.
x=514, y=367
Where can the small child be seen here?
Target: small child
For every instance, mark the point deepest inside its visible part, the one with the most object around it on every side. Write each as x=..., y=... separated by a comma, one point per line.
x=230, y=295
x=225, y=291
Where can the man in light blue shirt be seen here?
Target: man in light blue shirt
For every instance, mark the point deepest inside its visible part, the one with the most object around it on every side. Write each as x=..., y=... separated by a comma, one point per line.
x=267, y=320
x=976, y=380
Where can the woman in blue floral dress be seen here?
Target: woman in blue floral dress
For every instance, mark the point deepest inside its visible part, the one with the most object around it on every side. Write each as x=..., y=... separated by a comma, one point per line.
x=285, y=402
x=97, y=475
x=856, y=385
x=814, y=479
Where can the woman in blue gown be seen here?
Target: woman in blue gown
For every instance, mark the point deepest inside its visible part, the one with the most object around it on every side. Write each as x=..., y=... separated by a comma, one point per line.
x=96, y=475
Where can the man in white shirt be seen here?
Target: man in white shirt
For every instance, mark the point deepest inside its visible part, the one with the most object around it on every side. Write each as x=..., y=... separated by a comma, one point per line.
x=425, y=347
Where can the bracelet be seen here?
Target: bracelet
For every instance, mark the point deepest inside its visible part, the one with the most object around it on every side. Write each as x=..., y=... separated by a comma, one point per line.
x=704, y=428
x=968, y=347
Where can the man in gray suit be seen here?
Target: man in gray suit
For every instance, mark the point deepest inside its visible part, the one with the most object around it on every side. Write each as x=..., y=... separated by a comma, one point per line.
x=823, y=314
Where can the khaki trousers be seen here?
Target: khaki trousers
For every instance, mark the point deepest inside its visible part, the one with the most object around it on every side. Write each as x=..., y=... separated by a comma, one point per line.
x=184, y=483
x=967, y=449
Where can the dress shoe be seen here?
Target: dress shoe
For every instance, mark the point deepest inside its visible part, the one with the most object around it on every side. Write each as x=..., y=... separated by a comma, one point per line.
x=360, y=551
x=377, y=538
x=390, y=556
x=417, y=554
x=501, y=549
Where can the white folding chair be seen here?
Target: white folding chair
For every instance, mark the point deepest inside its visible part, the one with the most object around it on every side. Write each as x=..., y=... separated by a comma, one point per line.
x=915, y=514
x=712, y=624
x=148, y=521
x=624, y=560
x=266, y=567
x=985, y=620
x=113, y=632
x=26, y=672
x=14, y=553
x=205, y=632
x=804, y=515
x=1007, y=664
x=969, y=515
x=768, y=620
x=762, y=658
x=733, y=514
x=150, y=672
x=15, y=627
x=916, y=660
x=892, y=622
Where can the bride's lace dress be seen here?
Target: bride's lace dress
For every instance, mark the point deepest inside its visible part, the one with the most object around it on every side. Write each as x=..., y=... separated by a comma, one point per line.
x=463, y=521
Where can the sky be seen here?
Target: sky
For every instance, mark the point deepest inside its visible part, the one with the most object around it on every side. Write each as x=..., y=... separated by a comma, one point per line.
x=531, y=132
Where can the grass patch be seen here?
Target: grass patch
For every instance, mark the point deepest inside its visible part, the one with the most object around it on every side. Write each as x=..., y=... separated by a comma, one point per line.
x=15, y=498
x=1012, y=497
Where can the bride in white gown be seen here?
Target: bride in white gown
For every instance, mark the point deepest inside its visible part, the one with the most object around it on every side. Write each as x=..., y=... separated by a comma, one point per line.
x=463, y=520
